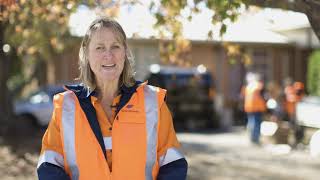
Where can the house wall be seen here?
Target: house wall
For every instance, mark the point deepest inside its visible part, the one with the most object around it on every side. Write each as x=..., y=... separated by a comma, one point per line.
x=274, y=61
x=145, y=52
x=204, y=54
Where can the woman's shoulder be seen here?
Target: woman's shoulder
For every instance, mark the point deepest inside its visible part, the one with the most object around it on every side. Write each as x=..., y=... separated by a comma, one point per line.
x=70, y=90
x=155, y=88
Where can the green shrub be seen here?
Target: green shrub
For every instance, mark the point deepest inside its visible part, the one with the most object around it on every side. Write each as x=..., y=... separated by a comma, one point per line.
x=313, y=76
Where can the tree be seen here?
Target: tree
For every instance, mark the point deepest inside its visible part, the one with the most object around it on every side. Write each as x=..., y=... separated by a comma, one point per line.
x=313, y=80
x=30, y=32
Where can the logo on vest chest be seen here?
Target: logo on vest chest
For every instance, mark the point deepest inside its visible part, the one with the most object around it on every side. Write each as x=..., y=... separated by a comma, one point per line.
x=130, y=108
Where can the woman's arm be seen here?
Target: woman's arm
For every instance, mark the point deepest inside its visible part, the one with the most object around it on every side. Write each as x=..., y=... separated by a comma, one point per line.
x=48, y=171
x=173, y=165
x=176, y=170
x=51, y=161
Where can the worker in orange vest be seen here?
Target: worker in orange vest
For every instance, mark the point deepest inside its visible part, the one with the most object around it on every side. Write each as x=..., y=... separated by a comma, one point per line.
x=254, y=105
x=294, y=92
x=110, y=127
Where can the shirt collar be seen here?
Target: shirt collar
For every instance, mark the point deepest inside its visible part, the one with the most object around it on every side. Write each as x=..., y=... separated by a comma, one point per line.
x=85, y=92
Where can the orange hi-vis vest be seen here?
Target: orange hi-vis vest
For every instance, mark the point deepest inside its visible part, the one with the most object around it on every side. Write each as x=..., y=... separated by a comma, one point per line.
x=294, y=93
x=134, y=139
x=253, y=101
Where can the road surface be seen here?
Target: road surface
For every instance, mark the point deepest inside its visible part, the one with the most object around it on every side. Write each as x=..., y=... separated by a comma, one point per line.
x=211, y=156
x=229, y=156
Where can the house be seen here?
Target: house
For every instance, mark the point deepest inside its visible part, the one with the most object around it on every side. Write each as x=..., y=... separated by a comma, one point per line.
x=273, y=51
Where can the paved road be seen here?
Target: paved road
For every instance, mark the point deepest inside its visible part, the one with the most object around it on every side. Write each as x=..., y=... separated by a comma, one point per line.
x=229, y=156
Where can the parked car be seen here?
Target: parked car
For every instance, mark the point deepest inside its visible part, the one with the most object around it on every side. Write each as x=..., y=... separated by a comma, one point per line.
x=38, y=106
x=190, y=95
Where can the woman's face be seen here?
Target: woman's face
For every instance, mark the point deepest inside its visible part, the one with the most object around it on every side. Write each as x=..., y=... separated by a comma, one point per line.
x=106, y=55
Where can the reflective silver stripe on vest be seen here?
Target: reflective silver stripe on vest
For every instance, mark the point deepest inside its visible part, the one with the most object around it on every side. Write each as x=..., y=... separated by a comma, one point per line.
x=52, y=157
x=172, y=154
x=68, y=126
x=151, y=108
x=107, y=142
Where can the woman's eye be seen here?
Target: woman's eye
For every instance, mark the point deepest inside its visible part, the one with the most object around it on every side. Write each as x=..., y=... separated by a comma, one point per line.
x=99, y=47
x=115, y=47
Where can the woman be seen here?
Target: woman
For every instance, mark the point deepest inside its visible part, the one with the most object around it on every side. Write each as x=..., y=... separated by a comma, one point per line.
x=110, y=126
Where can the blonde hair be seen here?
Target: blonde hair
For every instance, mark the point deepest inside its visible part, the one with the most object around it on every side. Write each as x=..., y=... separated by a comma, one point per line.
x=87, y=77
